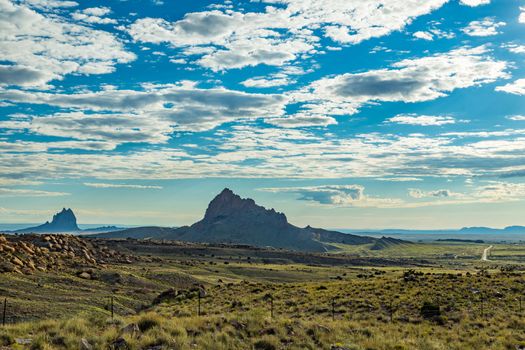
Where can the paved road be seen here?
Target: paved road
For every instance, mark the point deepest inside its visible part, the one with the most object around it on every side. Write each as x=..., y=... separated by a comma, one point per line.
x=485, y=255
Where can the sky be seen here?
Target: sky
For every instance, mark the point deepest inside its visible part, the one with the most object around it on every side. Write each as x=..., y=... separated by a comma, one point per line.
x=340, y=113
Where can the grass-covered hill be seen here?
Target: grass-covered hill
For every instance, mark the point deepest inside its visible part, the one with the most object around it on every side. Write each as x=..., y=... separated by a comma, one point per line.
x=255, y=298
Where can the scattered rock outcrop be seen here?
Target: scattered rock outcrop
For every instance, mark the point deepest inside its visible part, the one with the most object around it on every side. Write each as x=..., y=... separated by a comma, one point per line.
x=171, y=294
x=29, y=253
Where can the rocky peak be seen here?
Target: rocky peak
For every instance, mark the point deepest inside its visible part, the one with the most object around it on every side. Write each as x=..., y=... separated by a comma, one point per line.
x=227, y=203
x=64, y=220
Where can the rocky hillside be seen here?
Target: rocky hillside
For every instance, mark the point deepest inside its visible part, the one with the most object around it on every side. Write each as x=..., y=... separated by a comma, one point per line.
x=29, y=253
x=339, y=237
x=235, y=220
x=387, y=242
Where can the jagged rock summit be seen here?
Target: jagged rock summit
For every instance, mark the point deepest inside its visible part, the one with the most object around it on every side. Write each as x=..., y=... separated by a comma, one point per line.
x=227, y=204
x=234, y=220
x=63, y=221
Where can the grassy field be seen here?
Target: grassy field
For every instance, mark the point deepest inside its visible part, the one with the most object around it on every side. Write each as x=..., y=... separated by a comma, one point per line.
x=434, y=250
x=273, y=303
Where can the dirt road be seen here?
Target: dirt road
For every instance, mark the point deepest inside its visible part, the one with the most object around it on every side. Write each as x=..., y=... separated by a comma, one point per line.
x=485, y=255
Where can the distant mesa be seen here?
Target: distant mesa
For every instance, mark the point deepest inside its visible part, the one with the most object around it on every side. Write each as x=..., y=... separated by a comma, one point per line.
x=64, y=221
x=489, y=230
x=234, y=220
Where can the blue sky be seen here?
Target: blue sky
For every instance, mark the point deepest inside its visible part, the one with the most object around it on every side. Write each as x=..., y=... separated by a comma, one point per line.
x=340, y=113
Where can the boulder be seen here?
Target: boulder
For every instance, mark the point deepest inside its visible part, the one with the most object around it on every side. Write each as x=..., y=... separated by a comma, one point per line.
x=84, y=275
x=131, y=329
x=26, y=248
x=30, y=265
x=16, y=261
x=110, y=277
x=6, y=267
x=165, y=296
x=120, y=344
x=85, y=345
x=8, y=248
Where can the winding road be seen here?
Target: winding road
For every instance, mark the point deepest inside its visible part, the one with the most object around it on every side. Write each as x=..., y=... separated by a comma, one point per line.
x=485, y=255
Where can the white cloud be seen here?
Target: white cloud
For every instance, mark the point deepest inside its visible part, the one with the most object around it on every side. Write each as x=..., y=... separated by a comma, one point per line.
x=50, y=4
x=487, y=134
x=399, y=179
x=442, y=34
x=514, y=48
x=521, y=18
x=501, y=191
x=493, y=192
x=22, y=76
x=12, y=192
x=195, y=28
x=423, y=35
x=261, y=82
x=157, y=109
x=248, y=151
x=106, y=185
x=353, y=195
x=474, y=3
x=97, y=11
x=410, y=80
x=117, y=128
x=284, y=77
x=357, y=21
x=29, y=146
x=339, y=195
x=486, y=27
x=516, y=117
x=418, y=193
x=433, y=32
x=517, y=87
x=422, y=120
x=232, y=39
x=178, y=61
x=18, y=182
x=301, y=120
x=49, y=47
x=94, y=15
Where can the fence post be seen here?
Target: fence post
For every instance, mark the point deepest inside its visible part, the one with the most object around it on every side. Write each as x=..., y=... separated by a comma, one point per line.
x=333, y=309
x=112, y=308
x=271, y=306
x=199, y=306
x=4, y=313
x=482, y=313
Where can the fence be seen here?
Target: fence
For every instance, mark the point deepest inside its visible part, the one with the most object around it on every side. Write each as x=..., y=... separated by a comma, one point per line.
x=477, y=304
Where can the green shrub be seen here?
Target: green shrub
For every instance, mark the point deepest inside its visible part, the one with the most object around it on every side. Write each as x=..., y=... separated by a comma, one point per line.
x=264, y=345
x=148, y=322
x=430, y=310
x=6, y=340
